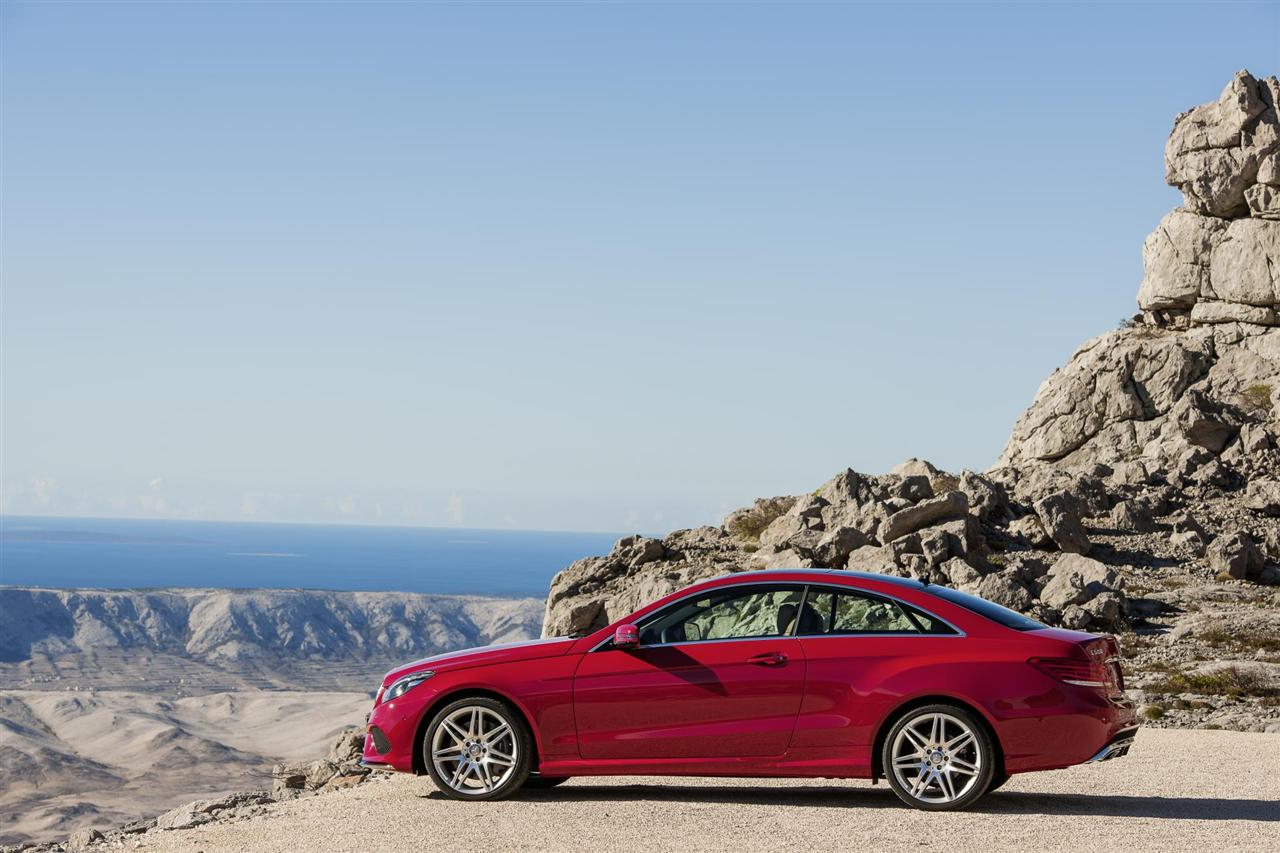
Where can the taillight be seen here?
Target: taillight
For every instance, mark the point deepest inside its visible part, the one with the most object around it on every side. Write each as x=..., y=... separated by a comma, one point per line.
x=1071, y=671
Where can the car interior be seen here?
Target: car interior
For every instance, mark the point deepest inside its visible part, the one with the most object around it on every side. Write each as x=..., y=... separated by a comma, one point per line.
x=781, y=612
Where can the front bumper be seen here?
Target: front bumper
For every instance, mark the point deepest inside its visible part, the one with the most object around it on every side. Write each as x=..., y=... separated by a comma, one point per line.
x=393, y=729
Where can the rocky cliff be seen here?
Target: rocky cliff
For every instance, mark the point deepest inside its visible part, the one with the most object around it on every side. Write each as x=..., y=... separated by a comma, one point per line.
x=1140, y=491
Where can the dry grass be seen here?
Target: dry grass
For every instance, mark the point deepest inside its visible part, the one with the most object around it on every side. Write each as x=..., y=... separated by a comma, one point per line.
x=1230, y=681
x=1250, y=639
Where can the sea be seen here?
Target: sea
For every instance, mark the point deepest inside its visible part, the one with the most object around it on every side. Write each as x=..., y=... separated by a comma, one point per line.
x=132, y=553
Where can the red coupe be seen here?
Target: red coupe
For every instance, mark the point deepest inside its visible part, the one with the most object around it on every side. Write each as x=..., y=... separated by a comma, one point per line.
x=808, y=673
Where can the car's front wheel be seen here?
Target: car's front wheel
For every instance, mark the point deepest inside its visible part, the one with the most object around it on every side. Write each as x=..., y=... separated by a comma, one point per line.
x=477, y=749
x=938, y=757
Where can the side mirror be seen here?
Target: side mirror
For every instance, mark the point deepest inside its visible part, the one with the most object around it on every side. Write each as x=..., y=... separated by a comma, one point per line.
x=626, y=637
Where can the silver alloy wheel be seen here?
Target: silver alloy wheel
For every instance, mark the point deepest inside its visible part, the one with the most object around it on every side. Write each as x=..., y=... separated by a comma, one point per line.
x=936, y=758
x=475, y=750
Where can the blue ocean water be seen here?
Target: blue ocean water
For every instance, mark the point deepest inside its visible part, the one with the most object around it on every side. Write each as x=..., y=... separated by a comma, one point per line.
x=126, y=553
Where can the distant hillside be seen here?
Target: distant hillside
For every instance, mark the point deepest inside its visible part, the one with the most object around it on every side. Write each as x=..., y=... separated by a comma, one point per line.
x=265, y=636
x=116, y=704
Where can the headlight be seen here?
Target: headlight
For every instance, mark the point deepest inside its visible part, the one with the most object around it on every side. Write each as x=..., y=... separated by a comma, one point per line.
x=404, y=685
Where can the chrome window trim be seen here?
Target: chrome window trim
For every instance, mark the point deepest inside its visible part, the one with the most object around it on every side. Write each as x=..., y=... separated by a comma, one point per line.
x=796, y=636
x=802, y=584
x=775, y=638
x=956, y=632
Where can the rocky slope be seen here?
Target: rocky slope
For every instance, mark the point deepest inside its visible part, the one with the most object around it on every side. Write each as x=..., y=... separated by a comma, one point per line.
x=1139, y=493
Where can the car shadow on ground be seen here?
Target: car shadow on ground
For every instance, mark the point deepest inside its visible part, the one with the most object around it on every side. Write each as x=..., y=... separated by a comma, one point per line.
x=1001, y=802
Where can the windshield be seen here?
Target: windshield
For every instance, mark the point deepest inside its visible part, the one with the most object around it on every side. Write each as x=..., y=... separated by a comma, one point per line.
x=1002, y=615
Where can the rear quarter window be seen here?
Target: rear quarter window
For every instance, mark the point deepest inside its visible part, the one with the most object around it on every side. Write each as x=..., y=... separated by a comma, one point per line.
x=988, y=609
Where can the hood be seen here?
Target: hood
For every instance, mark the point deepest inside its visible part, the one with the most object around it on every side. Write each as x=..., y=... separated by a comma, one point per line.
x=501, y=653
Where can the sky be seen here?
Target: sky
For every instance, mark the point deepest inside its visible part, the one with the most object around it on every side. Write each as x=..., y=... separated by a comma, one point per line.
x=561, y=265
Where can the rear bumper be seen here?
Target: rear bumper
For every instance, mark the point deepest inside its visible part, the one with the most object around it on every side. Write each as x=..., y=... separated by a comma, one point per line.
x=1079, y=728
x=1117, y=748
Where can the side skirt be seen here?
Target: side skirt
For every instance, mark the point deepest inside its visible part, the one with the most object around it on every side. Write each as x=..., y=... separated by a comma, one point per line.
x=789, y=765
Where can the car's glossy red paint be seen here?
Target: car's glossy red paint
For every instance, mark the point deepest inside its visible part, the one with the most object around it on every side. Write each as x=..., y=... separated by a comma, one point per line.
x=785, y=706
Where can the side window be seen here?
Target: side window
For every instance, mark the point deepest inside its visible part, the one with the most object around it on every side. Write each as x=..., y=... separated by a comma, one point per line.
x=929, y=624
x=851, y=613
x=725, y=615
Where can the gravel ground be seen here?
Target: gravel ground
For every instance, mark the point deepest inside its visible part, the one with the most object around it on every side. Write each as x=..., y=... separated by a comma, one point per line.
x=1176, y=790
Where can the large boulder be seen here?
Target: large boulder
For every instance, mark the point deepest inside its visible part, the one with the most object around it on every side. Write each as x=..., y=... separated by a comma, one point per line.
x=84, y=839
x=987, y=498
x=1145, y=395
x=1263, y=495
x=1236, y=555
x=1212, y=313
x=912, y=518
x=1215, y=150
x=1006, y=590
x=1076, y=581
x=1175, y=260
x=1107, y=402
x=1060, y=517
x=594, y=591
x=1245, y=264
x=205, y=811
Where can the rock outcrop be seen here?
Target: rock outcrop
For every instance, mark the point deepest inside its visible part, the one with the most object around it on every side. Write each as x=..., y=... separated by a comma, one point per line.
x=1217, y=259
x=916, y=521
x=341, y=768
x=1195, y=369
x=1150, y=457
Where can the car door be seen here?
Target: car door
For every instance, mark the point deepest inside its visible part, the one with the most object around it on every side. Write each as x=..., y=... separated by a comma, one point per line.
x=857, y=647
x=717, y=674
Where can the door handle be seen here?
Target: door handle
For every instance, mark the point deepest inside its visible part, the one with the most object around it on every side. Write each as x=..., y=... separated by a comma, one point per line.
x=768, y=659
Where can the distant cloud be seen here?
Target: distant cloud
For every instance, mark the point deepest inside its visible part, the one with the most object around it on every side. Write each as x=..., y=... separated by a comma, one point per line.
x=43, y=491
x=38, y=494
x=457, y=510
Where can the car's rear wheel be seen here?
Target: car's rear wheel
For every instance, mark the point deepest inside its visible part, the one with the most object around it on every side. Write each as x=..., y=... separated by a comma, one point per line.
x=938, y=757
x=477, y=748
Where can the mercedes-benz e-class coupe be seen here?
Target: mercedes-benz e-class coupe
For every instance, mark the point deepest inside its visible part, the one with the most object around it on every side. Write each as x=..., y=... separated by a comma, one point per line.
x=805, y=673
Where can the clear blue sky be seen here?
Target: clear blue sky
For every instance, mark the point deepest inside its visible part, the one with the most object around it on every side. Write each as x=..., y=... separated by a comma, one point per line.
x=562, y=265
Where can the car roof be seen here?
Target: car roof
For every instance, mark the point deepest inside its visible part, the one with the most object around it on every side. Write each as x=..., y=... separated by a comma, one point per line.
x=821, y=574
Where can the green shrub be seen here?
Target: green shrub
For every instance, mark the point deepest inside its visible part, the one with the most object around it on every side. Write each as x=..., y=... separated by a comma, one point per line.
x=747, y=524
x=943, y=482
x=1257, y=399
x=1153, y=712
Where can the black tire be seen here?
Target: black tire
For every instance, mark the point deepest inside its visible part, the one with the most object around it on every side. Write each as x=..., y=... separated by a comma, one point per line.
x=515, y=743
x=939, y=766
x=538, y=783
x=997, y=779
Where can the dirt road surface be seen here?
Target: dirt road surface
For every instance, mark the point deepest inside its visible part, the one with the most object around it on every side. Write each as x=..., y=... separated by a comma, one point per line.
x=1186, y=791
